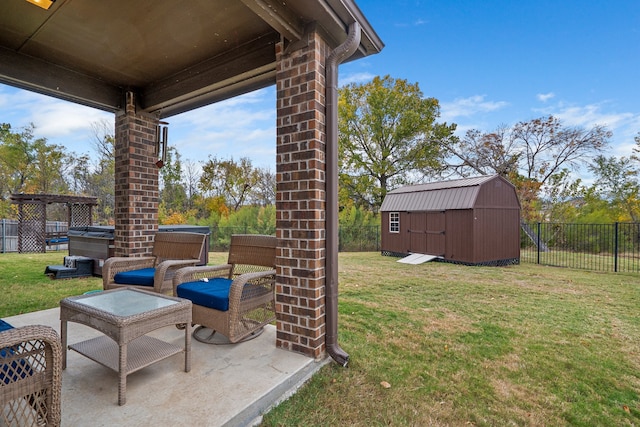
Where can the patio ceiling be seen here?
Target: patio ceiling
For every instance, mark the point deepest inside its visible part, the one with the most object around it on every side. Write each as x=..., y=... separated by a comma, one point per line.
x=175, y=55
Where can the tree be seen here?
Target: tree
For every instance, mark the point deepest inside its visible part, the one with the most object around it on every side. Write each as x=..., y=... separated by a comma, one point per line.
x=30, y=165
x=97, y=178
x=191, y=176
x=532, y=155
x=263, y=193
x=617, y=182
x=486, y=153
x=229, y=179
x=537, y=149
x=172, y=190
x=388, y=137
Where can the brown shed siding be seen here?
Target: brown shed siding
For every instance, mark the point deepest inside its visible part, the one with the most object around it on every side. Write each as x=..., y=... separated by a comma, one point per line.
x=394, y=242
x=460, y=236
x=496, y=194
x=471, y=221
x=492, y=227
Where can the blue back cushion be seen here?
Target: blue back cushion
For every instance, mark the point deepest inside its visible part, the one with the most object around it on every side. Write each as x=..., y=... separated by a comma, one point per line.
x=212, y=294
x=141, y=277
x=18, y=368
x=4, y=325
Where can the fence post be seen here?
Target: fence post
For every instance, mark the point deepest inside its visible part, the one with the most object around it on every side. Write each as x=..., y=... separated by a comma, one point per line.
x=615, y=249
x=538, y=243
x=4, y=236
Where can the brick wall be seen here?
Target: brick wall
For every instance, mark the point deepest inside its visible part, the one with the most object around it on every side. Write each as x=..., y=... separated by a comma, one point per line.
x=136, y=176
x=300, y=197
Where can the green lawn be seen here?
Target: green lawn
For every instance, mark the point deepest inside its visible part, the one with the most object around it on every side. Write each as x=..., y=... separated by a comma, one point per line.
x=450, y=345
x=446, y=345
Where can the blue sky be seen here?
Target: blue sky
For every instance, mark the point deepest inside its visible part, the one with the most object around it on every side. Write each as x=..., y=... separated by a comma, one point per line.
x=489, y=63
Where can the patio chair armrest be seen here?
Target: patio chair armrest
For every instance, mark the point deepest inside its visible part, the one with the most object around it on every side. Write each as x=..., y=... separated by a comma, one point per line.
x=166, y=270
x=237, y=294
x=37, y=351
x=192, y=274
x=115, y=265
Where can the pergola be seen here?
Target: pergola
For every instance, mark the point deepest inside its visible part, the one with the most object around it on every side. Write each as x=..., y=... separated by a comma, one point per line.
x=32, y=216
x=147, y=60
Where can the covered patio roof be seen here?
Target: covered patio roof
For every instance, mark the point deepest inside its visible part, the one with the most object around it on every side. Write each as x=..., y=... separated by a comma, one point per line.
x=176, y=56
x=147, y=60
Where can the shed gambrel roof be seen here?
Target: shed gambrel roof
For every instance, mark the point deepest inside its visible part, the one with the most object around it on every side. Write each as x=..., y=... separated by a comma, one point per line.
x=436, y=196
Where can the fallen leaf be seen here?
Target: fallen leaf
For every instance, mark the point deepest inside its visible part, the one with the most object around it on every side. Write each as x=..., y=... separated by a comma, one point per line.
x=385, y=384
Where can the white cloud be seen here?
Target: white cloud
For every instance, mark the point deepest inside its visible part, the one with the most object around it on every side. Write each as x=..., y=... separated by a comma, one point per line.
x=363, y=77
x=591, y=115
x=544, y=97
x=466, y=107
x=240, y=127
x=52, y=117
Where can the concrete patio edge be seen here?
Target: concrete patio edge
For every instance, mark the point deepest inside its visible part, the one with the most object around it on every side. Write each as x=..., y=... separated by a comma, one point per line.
x=252, y=414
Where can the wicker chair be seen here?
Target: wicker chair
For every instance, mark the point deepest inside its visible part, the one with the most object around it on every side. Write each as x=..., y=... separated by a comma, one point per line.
x=234, y=299
x=30, y=376
x=171, y=251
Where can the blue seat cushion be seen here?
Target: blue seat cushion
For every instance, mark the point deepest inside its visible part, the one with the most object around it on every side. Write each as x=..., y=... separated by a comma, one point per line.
x=4, y=325
x=212, y=294
x=141, y=277
x=10, y=372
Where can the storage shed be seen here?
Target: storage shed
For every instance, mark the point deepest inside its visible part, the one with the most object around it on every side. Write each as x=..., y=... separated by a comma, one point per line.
x=474, y=221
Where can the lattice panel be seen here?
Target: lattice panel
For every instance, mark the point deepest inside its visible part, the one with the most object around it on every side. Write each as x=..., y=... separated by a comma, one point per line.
x=32, y=228
x=18, y=363
x=79, y=215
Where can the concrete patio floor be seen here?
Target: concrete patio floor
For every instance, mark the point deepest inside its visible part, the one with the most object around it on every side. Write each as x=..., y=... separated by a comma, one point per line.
x=228, y=385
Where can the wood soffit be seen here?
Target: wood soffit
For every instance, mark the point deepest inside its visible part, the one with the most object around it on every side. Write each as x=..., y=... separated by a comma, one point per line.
x=176, y=56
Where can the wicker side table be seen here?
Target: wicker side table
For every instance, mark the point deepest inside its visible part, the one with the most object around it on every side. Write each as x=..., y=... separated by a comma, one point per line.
x=125, y=316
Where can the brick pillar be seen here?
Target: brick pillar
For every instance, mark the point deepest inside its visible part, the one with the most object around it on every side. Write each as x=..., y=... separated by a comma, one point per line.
x=136, y=176
x=300, y=197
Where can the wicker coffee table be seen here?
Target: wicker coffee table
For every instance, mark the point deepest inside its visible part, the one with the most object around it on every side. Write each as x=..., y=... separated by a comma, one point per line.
x=125, y=316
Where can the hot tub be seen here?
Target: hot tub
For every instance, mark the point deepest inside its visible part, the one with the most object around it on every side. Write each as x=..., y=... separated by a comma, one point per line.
x=97, y=242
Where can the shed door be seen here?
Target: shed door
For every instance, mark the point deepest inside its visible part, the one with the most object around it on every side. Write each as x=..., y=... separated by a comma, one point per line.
x=435, y=233
x=418, y=232
x=426, y=233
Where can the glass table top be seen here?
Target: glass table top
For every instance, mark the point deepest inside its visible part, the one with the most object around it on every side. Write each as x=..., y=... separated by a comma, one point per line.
x=126, y=302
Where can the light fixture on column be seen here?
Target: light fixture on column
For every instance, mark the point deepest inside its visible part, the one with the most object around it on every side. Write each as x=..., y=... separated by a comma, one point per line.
x=45, y=4
x=161, y=142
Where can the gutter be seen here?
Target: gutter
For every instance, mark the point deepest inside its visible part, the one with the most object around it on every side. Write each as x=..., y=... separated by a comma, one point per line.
x=337, y=56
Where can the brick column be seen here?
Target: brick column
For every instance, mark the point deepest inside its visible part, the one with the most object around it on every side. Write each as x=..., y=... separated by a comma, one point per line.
x=300, y=197
x=136, y=176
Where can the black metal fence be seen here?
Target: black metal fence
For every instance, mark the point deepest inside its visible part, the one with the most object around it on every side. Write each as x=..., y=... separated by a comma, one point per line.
x=601, y=247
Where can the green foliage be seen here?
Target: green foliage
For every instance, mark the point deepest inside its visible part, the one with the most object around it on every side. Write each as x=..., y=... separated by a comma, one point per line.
x=172, y=189
x=30, y=165
x=565, y=197
x=230, y=179
x=388, y=137
x=617, y=183
x=246, y=220
x=357, y=216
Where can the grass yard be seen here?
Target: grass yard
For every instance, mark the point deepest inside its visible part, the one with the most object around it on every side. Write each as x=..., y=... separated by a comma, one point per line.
x=449, y=345
x=445, y=345
x=25, y=288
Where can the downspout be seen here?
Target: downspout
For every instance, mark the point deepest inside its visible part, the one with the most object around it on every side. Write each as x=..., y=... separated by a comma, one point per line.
x=337, y=56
